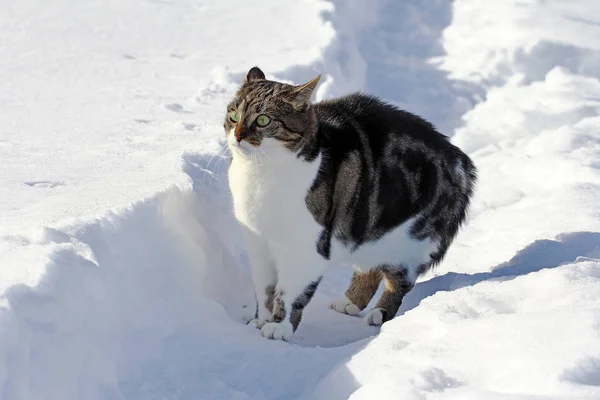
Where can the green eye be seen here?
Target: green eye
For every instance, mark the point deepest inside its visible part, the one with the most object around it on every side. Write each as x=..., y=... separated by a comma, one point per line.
x=234, y=116
x=262, y=120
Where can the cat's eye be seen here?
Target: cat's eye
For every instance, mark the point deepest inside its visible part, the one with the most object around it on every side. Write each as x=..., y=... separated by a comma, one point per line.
x=234, y=116
x=262, y=120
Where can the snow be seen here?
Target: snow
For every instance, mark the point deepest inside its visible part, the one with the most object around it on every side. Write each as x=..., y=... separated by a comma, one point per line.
x=122, y=273
x=109, y=95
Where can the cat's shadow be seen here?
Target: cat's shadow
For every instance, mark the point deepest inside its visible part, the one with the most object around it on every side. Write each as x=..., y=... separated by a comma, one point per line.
x=541, y=254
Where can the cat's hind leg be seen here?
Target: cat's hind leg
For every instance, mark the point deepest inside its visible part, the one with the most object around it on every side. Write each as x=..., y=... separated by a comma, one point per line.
x=360, y=292
x=397, y=284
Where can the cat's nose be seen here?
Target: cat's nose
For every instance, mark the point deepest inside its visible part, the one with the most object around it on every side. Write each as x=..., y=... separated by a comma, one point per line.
x=239, y=133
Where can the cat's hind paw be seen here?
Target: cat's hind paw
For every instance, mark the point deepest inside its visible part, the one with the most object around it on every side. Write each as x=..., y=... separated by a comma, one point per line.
x=278, y=330
x=375, y=317
x=345, y=306
x=257, y=323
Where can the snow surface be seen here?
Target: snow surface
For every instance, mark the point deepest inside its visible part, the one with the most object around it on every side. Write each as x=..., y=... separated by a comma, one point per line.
x=122, y=273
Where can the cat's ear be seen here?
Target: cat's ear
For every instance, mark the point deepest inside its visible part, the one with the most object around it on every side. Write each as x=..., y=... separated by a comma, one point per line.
x=255, y=74
x=299, y=97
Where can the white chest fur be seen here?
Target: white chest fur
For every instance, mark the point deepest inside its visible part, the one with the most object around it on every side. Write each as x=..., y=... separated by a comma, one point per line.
x=269, y=191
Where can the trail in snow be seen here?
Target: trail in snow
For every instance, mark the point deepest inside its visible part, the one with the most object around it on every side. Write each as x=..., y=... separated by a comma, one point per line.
x=149, y=301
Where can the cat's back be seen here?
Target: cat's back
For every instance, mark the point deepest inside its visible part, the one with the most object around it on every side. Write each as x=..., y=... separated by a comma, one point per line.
x=389, y=175
x=368, y=114
x=362, y=123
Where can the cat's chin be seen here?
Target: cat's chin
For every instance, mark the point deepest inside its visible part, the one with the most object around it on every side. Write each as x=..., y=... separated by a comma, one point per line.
x=240, y=149
x=269, y=150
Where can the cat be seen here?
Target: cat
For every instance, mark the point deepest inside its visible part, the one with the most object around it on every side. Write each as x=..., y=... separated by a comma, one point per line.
x=350, y=180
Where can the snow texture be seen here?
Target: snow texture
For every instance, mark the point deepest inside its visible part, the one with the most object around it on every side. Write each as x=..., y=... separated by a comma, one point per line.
x=122, y=272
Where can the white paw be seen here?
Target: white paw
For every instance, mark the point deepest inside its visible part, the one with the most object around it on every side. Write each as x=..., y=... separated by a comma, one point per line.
x=374, y=317
x=278, y=330
x=345, y=306
x=257, y=323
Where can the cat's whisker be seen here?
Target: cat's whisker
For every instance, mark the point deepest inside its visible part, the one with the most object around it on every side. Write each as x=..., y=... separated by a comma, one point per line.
x=206, y=170
x=225, y=150
x=219, y=154
x=306, y=141
x=266, y=155
x=256, y=164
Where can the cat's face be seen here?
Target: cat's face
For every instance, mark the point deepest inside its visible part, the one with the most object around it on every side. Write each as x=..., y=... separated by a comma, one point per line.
x=269, y=115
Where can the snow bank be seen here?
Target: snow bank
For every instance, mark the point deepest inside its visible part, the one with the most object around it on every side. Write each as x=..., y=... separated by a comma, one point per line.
x=149, y=303
x=521, y=38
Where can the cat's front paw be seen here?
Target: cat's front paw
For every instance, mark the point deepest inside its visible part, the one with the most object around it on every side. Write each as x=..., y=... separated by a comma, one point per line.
x=345, y=306
x=375, y=317
x=257, y=323
x=278, y=330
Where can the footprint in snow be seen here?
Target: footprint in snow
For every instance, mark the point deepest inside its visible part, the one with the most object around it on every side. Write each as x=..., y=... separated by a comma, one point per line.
x=189, y=126
x=44, y=184
x=176, y=108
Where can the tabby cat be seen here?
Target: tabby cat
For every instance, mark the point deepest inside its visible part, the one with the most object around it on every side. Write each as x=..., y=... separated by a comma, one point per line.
x=351, y=180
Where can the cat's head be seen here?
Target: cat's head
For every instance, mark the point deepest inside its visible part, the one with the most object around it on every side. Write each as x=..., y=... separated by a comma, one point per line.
x=270, y=116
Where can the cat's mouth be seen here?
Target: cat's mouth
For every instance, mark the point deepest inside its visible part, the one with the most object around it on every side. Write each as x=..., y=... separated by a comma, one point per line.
x=242, y=147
